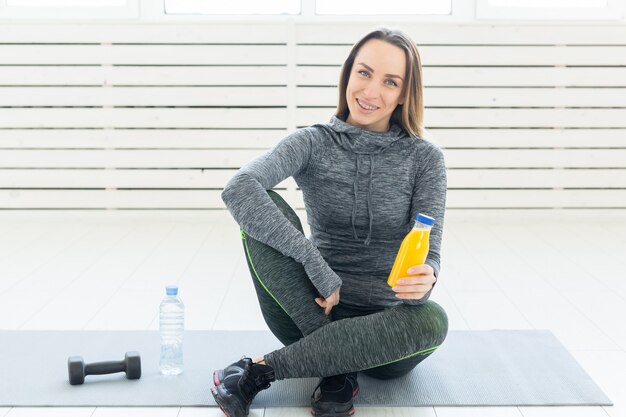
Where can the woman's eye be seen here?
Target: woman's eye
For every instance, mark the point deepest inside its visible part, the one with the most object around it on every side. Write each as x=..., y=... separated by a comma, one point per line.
x=392, y=82
x=363, y=72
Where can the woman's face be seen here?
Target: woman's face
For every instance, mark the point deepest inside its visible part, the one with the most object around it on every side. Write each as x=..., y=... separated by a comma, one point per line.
x=375, y=85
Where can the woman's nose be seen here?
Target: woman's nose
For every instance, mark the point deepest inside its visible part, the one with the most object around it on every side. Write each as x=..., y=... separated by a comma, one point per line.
x=371, y=91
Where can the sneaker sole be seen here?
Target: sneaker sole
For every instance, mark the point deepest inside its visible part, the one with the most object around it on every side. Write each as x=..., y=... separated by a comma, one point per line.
x=333, y=412
x=227, y=403
x=218, y=376
x=334, y=409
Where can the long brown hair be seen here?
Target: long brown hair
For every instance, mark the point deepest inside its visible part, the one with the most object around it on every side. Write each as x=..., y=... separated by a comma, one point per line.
x=409, y=115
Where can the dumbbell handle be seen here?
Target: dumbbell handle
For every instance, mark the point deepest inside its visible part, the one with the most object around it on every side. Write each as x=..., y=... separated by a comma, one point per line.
x=101, y=368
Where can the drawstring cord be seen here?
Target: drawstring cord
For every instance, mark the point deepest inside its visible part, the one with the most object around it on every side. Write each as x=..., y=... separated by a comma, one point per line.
x=369, y=199
x=356, y=191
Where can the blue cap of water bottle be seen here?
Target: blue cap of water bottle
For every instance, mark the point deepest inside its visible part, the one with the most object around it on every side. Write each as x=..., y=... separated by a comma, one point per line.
x=427, y=220
x=171, y=290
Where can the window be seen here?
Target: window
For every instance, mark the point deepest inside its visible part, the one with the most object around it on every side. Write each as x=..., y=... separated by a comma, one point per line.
x=386, y=7
x=66, y=3
x=237, y=7
x=549, y=3
x=69, y=9
x=550, y=9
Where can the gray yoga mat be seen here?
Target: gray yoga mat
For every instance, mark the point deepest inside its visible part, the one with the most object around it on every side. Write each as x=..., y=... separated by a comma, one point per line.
x=472, y=368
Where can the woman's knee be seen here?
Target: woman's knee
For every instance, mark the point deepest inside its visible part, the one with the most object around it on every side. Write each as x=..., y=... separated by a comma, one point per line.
x=428, y=324
x=429, y=320
x=267, y=263
x=424, y=326
x=286, y=209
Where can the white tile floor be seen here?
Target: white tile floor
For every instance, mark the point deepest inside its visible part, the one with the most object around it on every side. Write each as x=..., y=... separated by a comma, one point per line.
x=561, y=271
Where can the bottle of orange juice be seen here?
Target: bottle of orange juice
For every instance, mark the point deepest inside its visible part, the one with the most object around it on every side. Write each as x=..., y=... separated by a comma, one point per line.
x=413, y=250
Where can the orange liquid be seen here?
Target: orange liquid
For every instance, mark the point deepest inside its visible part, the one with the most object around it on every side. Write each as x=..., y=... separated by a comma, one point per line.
x=413, y=251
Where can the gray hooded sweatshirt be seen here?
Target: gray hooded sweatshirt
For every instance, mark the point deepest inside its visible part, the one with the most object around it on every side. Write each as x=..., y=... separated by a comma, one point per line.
x=361, y=189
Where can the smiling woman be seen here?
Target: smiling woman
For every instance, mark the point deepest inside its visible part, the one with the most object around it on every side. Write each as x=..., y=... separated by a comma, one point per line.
x=364, y=176
x=373, y=94
x=381, y=81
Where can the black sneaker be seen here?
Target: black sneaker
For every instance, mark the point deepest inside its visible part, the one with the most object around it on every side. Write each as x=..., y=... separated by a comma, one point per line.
x=333, y=396
x=238, y=384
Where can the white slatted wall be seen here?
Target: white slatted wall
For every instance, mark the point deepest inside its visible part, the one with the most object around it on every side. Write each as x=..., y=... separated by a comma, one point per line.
x=159, y=116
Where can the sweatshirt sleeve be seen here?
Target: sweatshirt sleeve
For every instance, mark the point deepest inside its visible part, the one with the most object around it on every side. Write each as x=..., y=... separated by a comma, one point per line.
x=252, y=208
x=429, y=197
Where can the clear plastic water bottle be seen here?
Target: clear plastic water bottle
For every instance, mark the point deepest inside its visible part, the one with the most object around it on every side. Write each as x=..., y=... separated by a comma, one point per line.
x=172, y=326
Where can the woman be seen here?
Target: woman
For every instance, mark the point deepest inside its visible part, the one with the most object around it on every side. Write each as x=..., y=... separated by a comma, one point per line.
x=364, y=176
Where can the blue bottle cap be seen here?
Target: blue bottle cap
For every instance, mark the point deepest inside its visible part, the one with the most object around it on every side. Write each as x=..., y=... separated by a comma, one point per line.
x=171, y=290
x=427, y=220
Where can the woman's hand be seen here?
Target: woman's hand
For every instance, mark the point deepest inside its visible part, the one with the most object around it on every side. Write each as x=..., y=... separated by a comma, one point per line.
x=328, y=303
x=413, y=287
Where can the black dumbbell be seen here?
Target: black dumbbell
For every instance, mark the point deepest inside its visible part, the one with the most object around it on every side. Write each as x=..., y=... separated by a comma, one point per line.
x=77, y=369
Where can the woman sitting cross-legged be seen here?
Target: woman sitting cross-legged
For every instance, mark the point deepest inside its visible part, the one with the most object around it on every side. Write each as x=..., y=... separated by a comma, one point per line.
x=364, y=177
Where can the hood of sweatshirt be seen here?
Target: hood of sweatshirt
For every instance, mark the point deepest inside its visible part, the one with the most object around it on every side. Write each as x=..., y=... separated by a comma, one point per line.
x=364, y=143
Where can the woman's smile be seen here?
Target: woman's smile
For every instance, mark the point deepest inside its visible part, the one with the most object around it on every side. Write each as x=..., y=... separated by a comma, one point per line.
x=365, y=106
